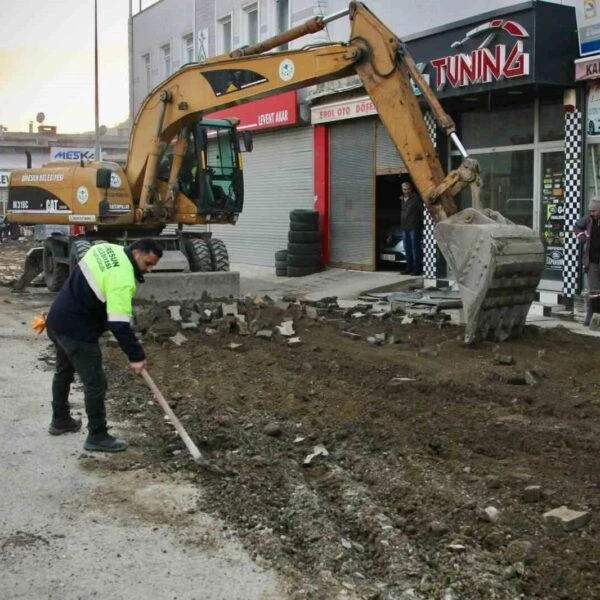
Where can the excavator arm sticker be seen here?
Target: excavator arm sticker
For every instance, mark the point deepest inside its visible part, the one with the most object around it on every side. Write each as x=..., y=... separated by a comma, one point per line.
x=225, y=81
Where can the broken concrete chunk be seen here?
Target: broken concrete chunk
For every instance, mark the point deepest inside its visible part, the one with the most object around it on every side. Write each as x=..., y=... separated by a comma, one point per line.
x=358, y=315
x=195, y=317
x=406, y=320
x=210, y=331
x=229, y=309
x=395, y=381
x=265, y=334
x=504, y=359
x=190, y=325
x=311, y=312
x=178, y=339
x=532, y=493
x=273, y=429
x=175, y=312
x=566, y=519
x=233, y=346
x=318, y=450
x=286, y=329
x=208, y=314
x=352, y=336
x=595, y=322
x=294, y=341
x=243, y=328
x=530, y=379
x=491, y=514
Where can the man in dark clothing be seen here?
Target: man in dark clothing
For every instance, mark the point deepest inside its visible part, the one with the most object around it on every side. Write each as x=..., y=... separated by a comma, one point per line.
x=411, y=222
x=587, y=230
x=96, y=297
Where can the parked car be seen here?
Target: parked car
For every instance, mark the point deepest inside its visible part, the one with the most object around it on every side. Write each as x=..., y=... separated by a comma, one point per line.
x=391, y=248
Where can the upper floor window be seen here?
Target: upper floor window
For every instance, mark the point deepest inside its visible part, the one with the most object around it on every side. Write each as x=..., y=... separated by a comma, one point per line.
x=166, y=55
x=251, y=18
x=188, y=48
x=146, y=70
x=282, y=16
x=225, y=25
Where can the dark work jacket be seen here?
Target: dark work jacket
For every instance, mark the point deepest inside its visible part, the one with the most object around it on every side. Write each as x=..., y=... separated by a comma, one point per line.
x=79, y=314
x=411, y=216
x=591, y=241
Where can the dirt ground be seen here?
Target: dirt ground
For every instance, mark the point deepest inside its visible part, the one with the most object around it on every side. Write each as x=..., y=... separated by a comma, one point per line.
x=395, y=463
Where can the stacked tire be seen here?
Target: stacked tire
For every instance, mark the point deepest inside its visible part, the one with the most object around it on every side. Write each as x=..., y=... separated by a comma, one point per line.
x=281, y=264
x=304, y=251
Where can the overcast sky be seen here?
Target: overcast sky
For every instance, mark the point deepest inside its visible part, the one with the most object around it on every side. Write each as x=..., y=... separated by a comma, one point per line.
x=47, y=62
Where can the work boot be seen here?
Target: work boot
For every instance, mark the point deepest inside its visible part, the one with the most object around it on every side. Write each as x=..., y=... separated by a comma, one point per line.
x=104, y=442
x=60, y=426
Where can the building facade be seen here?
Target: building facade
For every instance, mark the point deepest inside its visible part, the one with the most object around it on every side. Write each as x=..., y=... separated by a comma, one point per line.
x=503, y=71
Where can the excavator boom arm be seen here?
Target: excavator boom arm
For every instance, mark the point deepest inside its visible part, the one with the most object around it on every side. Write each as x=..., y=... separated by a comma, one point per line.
x=374, y=53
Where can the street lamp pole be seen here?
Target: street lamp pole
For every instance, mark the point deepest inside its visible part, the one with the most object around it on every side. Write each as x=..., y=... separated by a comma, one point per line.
x=97, y=104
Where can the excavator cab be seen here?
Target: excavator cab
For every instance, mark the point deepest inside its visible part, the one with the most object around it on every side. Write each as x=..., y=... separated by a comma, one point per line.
x=210, y=174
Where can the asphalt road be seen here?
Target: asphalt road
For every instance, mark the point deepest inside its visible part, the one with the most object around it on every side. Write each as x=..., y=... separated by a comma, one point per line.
x=70, y=532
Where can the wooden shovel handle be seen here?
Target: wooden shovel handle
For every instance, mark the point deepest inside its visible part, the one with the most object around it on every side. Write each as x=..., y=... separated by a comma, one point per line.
x=176, y=422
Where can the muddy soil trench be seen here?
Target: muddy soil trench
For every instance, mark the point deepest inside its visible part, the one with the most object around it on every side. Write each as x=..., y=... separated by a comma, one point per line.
x=378, y=458
x=375, y=457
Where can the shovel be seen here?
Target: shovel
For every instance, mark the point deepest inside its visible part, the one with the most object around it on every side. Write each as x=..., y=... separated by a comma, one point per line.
x=196, y=454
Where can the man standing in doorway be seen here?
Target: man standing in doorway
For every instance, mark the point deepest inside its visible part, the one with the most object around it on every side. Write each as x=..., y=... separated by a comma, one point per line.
x=412, y=226
x=587, y=230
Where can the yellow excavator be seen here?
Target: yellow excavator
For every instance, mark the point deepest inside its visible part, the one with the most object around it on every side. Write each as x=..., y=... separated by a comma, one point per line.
x=183, y=169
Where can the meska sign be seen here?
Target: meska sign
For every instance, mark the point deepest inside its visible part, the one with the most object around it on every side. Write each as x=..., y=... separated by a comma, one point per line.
x=485, y=64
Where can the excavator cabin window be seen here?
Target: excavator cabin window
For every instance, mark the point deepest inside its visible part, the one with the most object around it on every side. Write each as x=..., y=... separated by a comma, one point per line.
x=211, y=173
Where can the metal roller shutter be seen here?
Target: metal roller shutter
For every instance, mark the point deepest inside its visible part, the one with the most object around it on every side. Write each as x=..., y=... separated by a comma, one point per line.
x=278, y=177
x=352, y=194
x=388, y=159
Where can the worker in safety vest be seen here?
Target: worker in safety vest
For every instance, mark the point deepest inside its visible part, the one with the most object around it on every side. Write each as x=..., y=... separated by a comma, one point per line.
x=97, y=296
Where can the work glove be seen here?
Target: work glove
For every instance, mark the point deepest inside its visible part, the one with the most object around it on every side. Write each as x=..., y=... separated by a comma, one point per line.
x=39, y=323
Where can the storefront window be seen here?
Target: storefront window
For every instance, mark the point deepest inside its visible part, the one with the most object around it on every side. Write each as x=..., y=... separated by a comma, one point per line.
x=552, y=120
x=592, y=187
x=507, y=184
x=506, y=126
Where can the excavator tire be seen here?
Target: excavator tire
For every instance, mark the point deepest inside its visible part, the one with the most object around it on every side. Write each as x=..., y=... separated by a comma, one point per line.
x=78, y=250
x=219, y=255
x=55, y=273
x=199, y=255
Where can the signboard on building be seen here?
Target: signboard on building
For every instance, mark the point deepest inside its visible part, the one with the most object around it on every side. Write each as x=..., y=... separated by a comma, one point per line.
x=344, y=109
x=498, y=50
x=72, y=154
x=4, y=178
x=588, y=26
x=276, y=111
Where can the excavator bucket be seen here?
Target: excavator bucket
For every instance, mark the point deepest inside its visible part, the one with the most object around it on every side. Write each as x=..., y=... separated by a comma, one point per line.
x=497, y=266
